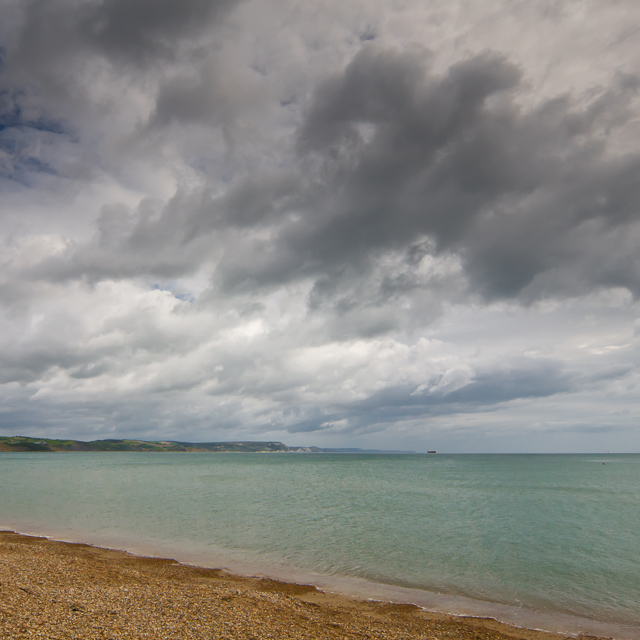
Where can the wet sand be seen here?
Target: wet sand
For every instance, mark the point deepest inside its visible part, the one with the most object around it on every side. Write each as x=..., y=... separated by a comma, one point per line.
x=53, y=590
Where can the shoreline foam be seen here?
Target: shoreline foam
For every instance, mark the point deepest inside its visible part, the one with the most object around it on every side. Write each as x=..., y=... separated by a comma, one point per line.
x=341, y=592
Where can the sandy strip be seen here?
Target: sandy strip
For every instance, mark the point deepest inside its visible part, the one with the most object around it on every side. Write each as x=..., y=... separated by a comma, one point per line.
x=54, y=590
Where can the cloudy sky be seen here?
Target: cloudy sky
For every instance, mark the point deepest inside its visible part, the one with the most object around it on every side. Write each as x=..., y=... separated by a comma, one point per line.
x=392, y=224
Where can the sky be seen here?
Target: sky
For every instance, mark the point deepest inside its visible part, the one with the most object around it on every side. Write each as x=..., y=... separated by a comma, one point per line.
x=387, y=224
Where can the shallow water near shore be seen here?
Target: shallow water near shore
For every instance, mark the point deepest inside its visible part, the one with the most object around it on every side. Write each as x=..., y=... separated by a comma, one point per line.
x=548, y=541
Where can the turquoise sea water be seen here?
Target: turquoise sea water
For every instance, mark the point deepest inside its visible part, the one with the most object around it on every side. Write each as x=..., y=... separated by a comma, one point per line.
x=531, y=538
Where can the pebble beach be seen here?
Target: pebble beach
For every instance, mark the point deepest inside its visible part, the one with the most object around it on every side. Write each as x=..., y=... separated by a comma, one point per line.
x=55, y=590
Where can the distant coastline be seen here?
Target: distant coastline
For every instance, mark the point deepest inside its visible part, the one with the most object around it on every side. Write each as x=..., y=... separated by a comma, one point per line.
x=24, y=444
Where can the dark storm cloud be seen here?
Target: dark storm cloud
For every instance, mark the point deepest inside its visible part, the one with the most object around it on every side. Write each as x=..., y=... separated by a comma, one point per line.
x=141, y=30
x=393, y=152
x=504, y=187
x=125, y=31
x=211, y=96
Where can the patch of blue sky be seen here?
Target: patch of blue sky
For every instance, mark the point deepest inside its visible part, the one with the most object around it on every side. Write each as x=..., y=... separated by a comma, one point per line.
x=12, y=114
x=175, y=291
x=13, y=120
x=185, y=297
x=26, y=142
x=21, y=162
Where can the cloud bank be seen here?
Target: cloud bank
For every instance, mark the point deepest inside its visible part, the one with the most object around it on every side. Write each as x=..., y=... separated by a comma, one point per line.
x=368, y=225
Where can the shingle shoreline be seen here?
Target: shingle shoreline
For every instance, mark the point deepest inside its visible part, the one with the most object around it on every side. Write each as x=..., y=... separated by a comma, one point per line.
x=55, y=590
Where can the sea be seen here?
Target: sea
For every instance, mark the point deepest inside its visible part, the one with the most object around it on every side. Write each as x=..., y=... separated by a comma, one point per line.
x=540, y=541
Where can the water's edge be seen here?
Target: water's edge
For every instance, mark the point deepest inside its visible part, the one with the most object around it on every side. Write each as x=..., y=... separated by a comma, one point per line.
x=521, y=617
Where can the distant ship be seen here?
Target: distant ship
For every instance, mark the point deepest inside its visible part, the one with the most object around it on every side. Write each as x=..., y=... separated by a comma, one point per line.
x=431, y=452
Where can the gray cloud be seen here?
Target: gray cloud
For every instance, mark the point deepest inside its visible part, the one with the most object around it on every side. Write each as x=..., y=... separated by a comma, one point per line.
x=504, y=187
x=139, y=32
x=236, y=219
x=142, y=30
x=534, y=379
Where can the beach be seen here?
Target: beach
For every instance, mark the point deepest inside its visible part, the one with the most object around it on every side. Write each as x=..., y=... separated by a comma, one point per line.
x=51, y=589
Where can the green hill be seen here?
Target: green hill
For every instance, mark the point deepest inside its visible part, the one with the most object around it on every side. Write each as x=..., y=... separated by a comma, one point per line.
x=48, y=445
x=24, y=443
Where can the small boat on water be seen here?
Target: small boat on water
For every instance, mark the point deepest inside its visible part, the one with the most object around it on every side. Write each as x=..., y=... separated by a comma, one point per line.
x=431, y=452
